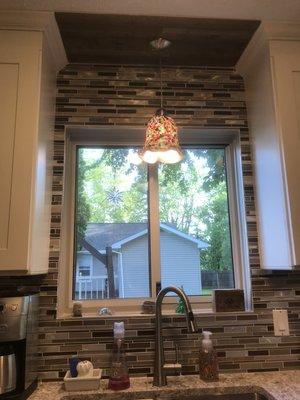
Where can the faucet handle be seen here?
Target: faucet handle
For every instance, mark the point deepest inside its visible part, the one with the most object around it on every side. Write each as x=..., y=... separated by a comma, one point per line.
x=176, y=366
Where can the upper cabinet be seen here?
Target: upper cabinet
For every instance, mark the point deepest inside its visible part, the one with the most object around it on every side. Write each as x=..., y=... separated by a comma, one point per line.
x=29, y=61
x=271, y=68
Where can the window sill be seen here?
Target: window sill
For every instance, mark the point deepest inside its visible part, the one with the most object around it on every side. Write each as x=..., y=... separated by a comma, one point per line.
x=131, y=314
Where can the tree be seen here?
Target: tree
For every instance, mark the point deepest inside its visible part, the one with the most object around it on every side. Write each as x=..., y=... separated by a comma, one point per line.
x=193, y=196
x=83, y=207
x=215, y=217
x=117, y=189
x=215, y=160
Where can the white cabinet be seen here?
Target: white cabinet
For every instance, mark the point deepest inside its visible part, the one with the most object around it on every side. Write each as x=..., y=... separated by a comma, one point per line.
x=27, y=99
x=271, y=69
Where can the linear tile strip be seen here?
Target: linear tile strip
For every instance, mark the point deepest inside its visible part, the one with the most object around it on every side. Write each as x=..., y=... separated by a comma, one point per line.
x=94, y=95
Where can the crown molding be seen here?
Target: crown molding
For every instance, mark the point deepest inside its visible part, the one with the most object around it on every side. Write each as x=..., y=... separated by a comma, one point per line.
x=267, y=31
x=41, y=22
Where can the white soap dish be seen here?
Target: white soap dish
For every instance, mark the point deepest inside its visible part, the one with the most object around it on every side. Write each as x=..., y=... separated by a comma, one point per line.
x=83, y=383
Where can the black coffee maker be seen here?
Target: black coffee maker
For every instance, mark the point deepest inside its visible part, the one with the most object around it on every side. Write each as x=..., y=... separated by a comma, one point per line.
x=18, y=346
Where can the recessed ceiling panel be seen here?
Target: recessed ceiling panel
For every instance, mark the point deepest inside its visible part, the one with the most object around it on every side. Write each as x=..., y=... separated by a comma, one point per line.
x=114, y=39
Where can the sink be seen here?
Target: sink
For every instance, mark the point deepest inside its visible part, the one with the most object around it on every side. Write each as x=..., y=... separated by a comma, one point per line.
x=236, y=396
x=174, y=396
x=170, y=396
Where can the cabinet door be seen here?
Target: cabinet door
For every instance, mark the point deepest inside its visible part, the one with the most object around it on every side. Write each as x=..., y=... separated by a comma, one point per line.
x=19, y=99
x=286, y=71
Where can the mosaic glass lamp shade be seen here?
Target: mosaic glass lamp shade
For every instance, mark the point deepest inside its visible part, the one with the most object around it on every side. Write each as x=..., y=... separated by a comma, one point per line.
x=161, y=143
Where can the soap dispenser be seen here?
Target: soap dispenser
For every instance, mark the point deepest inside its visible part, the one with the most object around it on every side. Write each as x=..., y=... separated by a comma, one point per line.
x=118, y=378
x=208, y=361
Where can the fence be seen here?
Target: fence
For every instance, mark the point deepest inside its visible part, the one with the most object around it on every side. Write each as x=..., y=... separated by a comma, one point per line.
x=96, y=287
x=217, y=279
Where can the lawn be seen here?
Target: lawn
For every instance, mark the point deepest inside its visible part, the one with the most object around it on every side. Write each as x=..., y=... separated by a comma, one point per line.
x=206, y=292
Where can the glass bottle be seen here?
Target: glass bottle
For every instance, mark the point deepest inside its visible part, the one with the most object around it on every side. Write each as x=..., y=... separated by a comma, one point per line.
x=118, y=378
x=208, y=360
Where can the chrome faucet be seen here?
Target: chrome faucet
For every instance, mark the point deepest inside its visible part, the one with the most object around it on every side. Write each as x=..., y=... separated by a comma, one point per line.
x=160, y=368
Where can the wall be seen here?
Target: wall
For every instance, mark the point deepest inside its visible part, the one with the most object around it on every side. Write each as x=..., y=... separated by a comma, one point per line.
x=108, y=95
x=136, y=267
x=179, y=260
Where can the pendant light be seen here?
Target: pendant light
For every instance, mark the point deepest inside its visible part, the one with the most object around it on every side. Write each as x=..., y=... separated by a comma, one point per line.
x=161, y=143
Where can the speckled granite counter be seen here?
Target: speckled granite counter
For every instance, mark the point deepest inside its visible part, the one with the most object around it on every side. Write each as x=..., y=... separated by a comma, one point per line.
x=283, y=385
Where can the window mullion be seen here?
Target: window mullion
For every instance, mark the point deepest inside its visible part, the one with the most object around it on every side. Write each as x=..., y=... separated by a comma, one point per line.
x=154, y=237
x=238, y=224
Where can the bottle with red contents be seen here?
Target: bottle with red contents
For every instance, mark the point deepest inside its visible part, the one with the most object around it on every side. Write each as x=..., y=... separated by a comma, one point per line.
x=119, y=378
x=208, y=360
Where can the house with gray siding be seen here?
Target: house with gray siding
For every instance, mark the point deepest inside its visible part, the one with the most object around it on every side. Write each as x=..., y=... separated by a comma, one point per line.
x=179, y=253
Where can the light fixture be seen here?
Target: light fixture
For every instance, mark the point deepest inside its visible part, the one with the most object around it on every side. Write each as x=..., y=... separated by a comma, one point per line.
x=161, y=143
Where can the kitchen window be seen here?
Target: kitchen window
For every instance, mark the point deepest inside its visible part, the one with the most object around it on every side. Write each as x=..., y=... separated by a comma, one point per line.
x=140, y=227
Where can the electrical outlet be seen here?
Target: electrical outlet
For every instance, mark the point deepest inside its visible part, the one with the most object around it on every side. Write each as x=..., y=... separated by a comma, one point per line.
x=281, y=323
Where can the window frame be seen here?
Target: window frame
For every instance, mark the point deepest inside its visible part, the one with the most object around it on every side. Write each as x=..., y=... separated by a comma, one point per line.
x=78, y=276
x=116, y=137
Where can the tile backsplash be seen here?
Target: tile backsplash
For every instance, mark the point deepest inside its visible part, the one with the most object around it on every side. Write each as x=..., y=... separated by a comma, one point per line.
x=196, y=97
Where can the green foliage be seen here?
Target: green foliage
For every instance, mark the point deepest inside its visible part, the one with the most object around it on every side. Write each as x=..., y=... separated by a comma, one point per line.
x=82, y=205
x=111, y=197
x=193, y=196
x=215, y=160
x=215, y=217
x=115, y=158
x=180, y=308
x=179, y=187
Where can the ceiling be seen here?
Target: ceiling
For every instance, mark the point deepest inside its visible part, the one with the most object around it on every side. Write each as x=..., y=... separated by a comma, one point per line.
x=278, y=10
x=125, y=39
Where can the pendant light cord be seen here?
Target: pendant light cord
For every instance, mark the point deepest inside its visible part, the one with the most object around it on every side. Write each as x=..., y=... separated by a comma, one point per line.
x=161, y=89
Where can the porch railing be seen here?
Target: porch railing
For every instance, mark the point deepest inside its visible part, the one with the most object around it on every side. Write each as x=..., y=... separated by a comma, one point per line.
x=90, y=288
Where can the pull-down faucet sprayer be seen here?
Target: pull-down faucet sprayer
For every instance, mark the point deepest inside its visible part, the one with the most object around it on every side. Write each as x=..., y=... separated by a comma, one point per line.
x=159, y=378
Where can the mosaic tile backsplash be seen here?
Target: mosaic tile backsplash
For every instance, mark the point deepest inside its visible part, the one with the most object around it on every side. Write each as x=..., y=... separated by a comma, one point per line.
x=195, y=97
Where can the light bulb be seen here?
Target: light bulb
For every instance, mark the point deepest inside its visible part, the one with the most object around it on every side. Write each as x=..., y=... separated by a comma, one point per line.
x=150, y=157
x=170, y=156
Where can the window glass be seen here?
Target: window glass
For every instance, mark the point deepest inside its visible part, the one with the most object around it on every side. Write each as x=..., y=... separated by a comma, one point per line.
x=111, y=224
x=83, y=270
x=111, y=252
x=195, y=241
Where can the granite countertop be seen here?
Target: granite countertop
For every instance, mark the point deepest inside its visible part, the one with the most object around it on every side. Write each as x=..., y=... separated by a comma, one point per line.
x=282, y=385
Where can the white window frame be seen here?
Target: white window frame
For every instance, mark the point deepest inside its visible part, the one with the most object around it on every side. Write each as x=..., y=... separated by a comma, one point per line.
x=133, y=136
x=78, y=276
